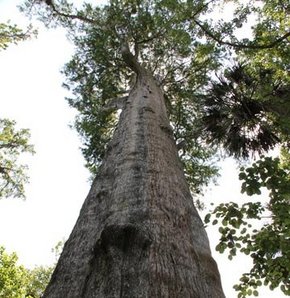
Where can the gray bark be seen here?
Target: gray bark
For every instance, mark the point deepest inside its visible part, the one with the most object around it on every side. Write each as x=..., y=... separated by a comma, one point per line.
x=138, y=233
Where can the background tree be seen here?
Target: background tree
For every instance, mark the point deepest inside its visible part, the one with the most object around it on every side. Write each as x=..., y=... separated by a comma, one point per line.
x=268, y=245
x=38, y=278
x=16, y=281
x=13, y=278
x=246, y=111
x=12, y=173
x=13, y=142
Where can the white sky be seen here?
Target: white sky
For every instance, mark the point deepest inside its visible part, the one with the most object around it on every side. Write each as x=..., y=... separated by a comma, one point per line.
x=31, y=94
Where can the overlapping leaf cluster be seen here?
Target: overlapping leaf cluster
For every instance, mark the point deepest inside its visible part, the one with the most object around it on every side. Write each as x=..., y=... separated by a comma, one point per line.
x=13, y=175
x=269, y=245
x=16, y=281
x=12, y=142
x=12, y=34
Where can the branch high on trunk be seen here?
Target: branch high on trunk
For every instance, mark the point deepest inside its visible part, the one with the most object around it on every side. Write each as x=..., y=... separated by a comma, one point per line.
x=130, y=59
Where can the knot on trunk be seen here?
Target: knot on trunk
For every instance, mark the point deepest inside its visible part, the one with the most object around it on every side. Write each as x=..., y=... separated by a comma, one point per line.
x=125, y=237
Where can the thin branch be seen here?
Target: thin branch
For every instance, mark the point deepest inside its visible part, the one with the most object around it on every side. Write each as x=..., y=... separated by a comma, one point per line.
x=129, y=58
x=14, y=36
x=3, y=188
x=9, y=145
x=240, y=45
x=136, y=50
x=70, y=16
x=5, y=170
x=201, y=8
x=157, y=35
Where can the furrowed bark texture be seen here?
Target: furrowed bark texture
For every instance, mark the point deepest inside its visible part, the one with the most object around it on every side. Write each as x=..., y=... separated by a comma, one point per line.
x=138, y=233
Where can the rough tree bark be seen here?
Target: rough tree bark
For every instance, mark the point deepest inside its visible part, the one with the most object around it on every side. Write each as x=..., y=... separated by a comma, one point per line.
x=138, y=233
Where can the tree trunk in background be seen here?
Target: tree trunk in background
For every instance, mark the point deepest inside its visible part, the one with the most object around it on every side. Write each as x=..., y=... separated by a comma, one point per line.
x=138, y=233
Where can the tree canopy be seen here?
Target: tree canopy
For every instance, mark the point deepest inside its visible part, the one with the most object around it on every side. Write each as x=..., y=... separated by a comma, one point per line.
x=223, y=94
x=161, y=39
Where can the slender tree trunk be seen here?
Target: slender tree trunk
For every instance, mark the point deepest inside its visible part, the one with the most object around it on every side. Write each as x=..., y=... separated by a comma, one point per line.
x=138, y=233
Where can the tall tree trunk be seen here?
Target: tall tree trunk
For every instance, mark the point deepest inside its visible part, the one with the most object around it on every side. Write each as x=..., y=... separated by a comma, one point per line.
x=138, y=233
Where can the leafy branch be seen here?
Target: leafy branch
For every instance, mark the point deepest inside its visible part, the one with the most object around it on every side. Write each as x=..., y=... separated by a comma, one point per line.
x=12, y=174
x=268, y=246
x=79, y=17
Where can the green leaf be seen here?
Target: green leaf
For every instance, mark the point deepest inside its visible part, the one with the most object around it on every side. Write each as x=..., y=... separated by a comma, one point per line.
x=224, y=222
x=243, y=231
x=242, y=176
x=215, y=222
x=207, y=218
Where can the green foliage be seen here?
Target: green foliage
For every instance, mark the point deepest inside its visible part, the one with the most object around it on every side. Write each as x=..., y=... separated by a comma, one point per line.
x=247, y=111
x=13, y=278
x=13, y=142
x=12, y=34
x=268, y=246
x=17, y=281
x=38, y=279
x=163, y=39
x=273, y=24
x=58, y=249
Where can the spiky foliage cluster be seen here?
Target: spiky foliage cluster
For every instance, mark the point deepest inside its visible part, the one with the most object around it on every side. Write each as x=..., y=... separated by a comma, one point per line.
x=242, y=110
